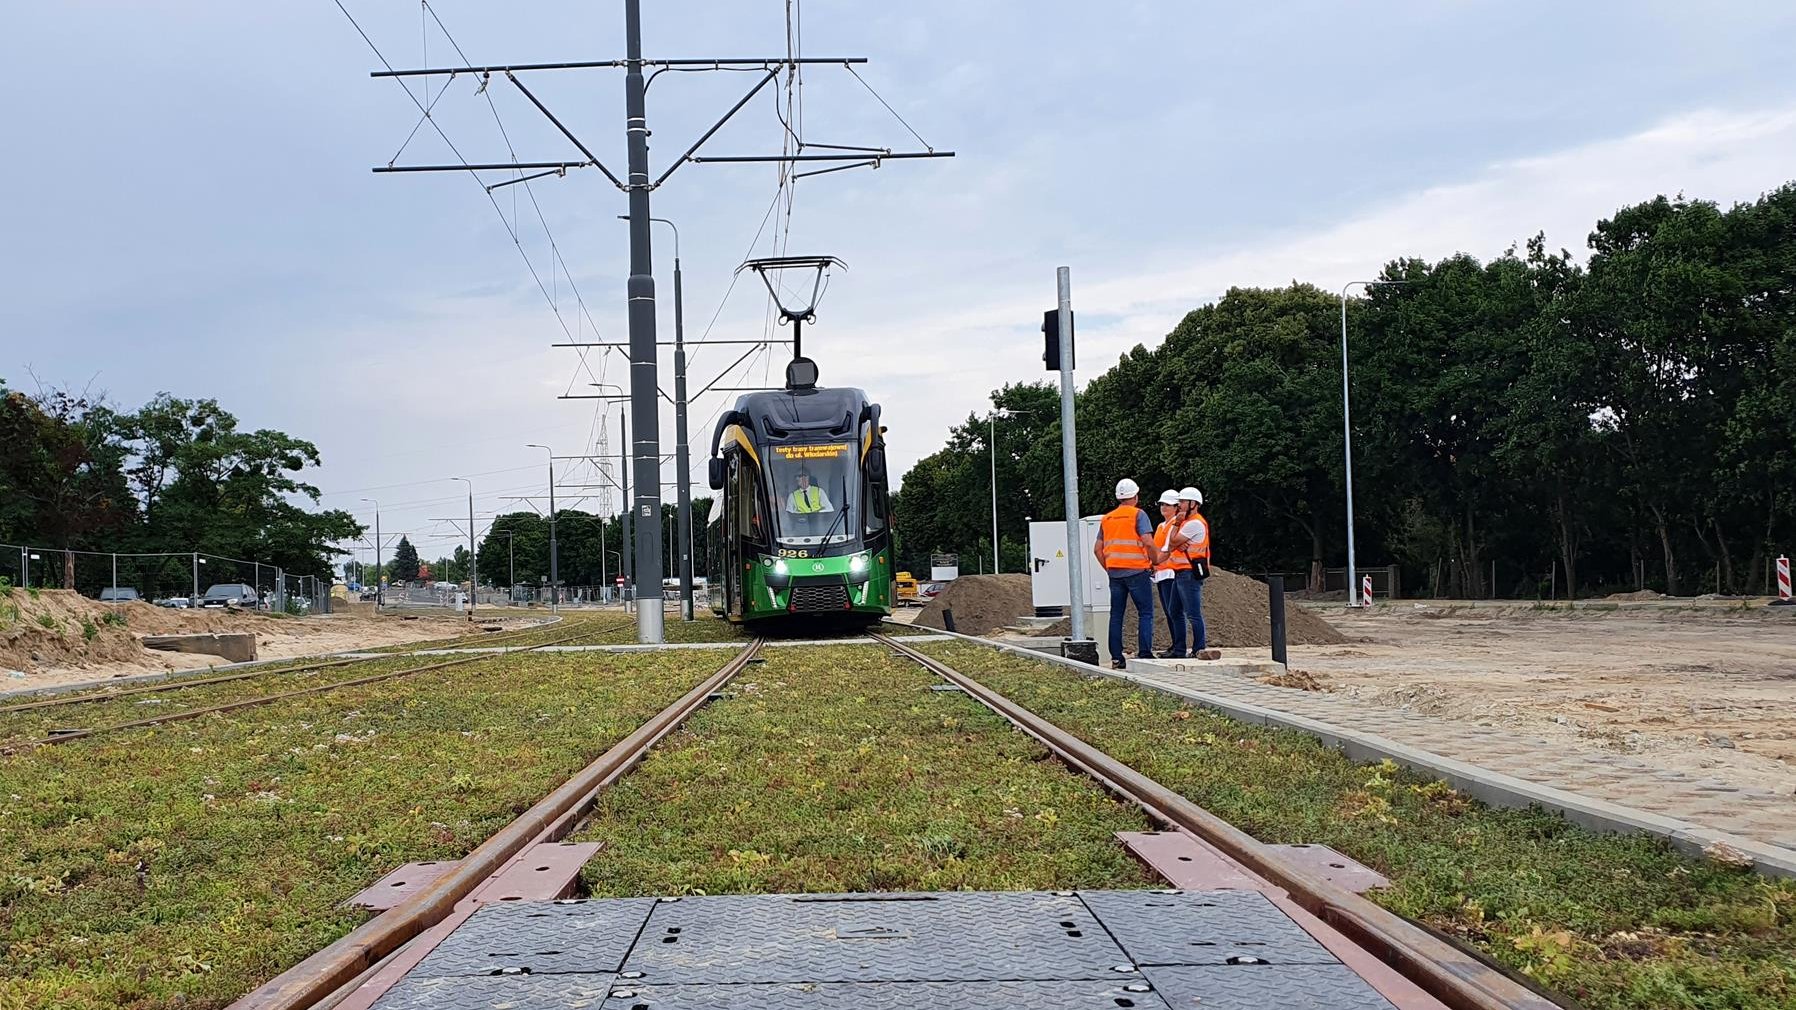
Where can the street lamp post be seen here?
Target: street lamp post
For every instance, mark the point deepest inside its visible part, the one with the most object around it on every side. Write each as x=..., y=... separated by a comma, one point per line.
x=473, y=566
x=682, y=447
x=554, y=545
x=1347, y=442
x=992, y=421
x=380, y=574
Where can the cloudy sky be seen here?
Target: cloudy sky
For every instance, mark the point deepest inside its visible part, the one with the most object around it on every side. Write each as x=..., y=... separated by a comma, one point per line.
x=190, y=208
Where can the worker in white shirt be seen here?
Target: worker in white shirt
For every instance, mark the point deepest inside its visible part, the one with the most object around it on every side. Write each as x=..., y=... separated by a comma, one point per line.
x=1166, y=573
x=1192, y=540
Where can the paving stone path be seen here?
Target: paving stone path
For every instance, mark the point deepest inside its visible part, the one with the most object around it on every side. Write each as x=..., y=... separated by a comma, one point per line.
x=1755, y=814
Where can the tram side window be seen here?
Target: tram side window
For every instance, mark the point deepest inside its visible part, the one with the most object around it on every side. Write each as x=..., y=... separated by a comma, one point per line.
x=749, y=520
x=877, y=507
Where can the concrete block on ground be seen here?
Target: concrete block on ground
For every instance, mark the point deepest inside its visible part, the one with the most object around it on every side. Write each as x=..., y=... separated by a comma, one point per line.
x=238, y=647
x=1239, y=666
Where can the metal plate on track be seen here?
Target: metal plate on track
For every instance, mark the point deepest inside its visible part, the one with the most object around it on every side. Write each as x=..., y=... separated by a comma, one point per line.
x=502, y=992
x=1204, y=927
x=540, y=873
x=1264, y=987
x=1093, y=994
x=540, y=938
x=1188, y=863
x=1332, y=866
x=949, y=936
x=402, y=883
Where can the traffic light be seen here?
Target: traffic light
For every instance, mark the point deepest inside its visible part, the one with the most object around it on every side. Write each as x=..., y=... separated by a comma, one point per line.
x=1050, y=331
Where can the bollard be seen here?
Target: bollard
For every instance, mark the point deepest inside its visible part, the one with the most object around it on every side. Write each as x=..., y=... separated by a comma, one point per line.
x=1275, y=607
x=1365, y=591
x=1783, y=584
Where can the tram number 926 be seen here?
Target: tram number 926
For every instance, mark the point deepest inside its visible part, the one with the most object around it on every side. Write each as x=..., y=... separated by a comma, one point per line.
x=792, y=552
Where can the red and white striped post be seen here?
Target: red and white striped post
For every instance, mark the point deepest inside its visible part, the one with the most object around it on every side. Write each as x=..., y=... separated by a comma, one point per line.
x=1365, y=590
x=1783, y=583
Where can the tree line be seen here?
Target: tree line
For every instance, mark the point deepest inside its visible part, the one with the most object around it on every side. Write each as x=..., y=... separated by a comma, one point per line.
x=1624, y=422
x=78, y=473
x=589, y=547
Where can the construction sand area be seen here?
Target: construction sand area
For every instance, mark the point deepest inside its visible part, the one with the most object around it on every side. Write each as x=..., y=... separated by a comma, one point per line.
x=1235, y=612
x=1695, y=689
x=55, y=637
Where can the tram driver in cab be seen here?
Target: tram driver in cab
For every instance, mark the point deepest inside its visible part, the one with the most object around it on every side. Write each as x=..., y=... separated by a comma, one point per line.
x=806, y=498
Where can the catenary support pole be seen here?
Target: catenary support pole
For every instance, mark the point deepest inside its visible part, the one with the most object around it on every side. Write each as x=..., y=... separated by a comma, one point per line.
x=626, y=554
x=644, y=378
x=115, y=573
x=1275, y=608
x=682, y=450
x=1069, y=459
x=996, y=566
x=196, y=580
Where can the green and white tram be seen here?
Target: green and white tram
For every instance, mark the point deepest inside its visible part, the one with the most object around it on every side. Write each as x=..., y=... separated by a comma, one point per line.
x=801, y=531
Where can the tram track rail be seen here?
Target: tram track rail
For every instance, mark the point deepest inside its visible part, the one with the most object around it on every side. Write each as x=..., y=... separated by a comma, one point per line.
x=1439, y=968
x=323, y=978
x=67, y=736
x=388, y=944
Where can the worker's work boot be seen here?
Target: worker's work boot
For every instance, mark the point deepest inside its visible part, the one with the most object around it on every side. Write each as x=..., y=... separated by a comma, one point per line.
x=1209, y=654
x=1119, y=664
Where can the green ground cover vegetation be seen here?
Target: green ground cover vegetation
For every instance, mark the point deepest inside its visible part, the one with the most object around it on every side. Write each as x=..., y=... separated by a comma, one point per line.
x=181, y=866
x=838, y=769
x=1613, y=921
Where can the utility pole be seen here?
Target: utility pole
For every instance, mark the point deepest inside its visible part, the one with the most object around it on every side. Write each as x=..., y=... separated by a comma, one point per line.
x=473, y=576
x=554, y=545
x=644, y=364
x=1353, y=601
x=1069, y=463
x=380, y=572
x=682, y=446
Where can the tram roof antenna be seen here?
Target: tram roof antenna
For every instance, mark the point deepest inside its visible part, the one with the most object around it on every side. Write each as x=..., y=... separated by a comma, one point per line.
x=774, y=264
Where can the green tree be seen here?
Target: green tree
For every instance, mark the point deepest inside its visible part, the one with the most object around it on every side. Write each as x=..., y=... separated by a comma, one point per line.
x=404, y=566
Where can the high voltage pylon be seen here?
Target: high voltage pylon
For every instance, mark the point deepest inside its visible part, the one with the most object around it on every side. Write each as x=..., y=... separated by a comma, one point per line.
x=637, y=185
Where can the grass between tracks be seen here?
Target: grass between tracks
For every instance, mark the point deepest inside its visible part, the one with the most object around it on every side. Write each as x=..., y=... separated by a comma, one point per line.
x=838, y=769
x=1613, y=921
x=181, y=866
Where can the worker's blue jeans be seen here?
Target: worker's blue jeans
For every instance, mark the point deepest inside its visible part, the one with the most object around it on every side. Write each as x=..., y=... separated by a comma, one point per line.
x=1172, y=603
x=1138, y=586
x=1191, y=589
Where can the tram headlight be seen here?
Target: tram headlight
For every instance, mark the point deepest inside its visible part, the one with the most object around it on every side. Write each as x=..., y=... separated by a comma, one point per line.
x=857, y=568
x=778, y=575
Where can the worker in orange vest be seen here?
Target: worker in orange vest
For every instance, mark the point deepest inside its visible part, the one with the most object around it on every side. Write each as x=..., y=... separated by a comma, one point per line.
x=1192, y=540
x=1172, y=565
x=1126, y=550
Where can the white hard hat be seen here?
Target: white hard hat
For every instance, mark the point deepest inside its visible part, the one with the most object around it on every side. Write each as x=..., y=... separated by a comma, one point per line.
x=1191, y=494
x=1126, y=488
x=1169, y=497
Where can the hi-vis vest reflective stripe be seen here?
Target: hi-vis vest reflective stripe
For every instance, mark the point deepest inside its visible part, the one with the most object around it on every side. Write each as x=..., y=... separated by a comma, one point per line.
x=1175, y=561
x=1197, y=549
x=1121, y=541
x=805, y=499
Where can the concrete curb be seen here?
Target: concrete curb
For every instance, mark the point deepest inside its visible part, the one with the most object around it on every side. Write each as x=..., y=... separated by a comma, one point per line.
x=1494, y=788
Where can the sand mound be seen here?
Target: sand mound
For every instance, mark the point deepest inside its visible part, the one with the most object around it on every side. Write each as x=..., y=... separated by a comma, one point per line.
x=57, y=627
x=1235, y=612
x=982, y=604
x=1638, y=594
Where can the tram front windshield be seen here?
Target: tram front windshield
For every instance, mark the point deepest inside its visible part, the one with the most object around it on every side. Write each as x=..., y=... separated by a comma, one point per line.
x=812, y=486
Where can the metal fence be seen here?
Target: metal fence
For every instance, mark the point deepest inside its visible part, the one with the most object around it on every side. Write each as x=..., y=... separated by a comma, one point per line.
x=165, y=578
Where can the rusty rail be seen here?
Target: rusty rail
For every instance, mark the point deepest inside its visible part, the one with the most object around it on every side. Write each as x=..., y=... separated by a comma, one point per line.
x=319, y=976
x=181, y=683
x=82, y=734
x=1440, y=969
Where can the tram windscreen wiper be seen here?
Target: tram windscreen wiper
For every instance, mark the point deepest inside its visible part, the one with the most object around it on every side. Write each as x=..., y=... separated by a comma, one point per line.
x=841, y=515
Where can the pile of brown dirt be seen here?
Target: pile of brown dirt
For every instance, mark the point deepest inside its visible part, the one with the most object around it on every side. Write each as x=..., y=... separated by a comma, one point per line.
x=982, y=604
x=57, y=627
x=1301, y=680
x=1236, y=615
x=1636, y=595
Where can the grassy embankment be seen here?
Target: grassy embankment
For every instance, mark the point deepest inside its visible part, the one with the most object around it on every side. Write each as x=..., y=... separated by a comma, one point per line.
x=1613, y=921
x=181, y=866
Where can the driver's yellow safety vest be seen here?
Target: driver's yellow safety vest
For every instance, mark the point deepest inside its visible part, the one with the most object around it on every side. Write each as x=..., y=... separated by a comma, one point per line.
x=807, y=500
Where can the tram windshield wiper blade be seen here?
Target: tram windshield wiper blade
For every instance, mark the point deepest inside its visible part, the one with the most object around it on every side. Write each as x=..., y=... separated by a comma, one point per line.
x=841, y=514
